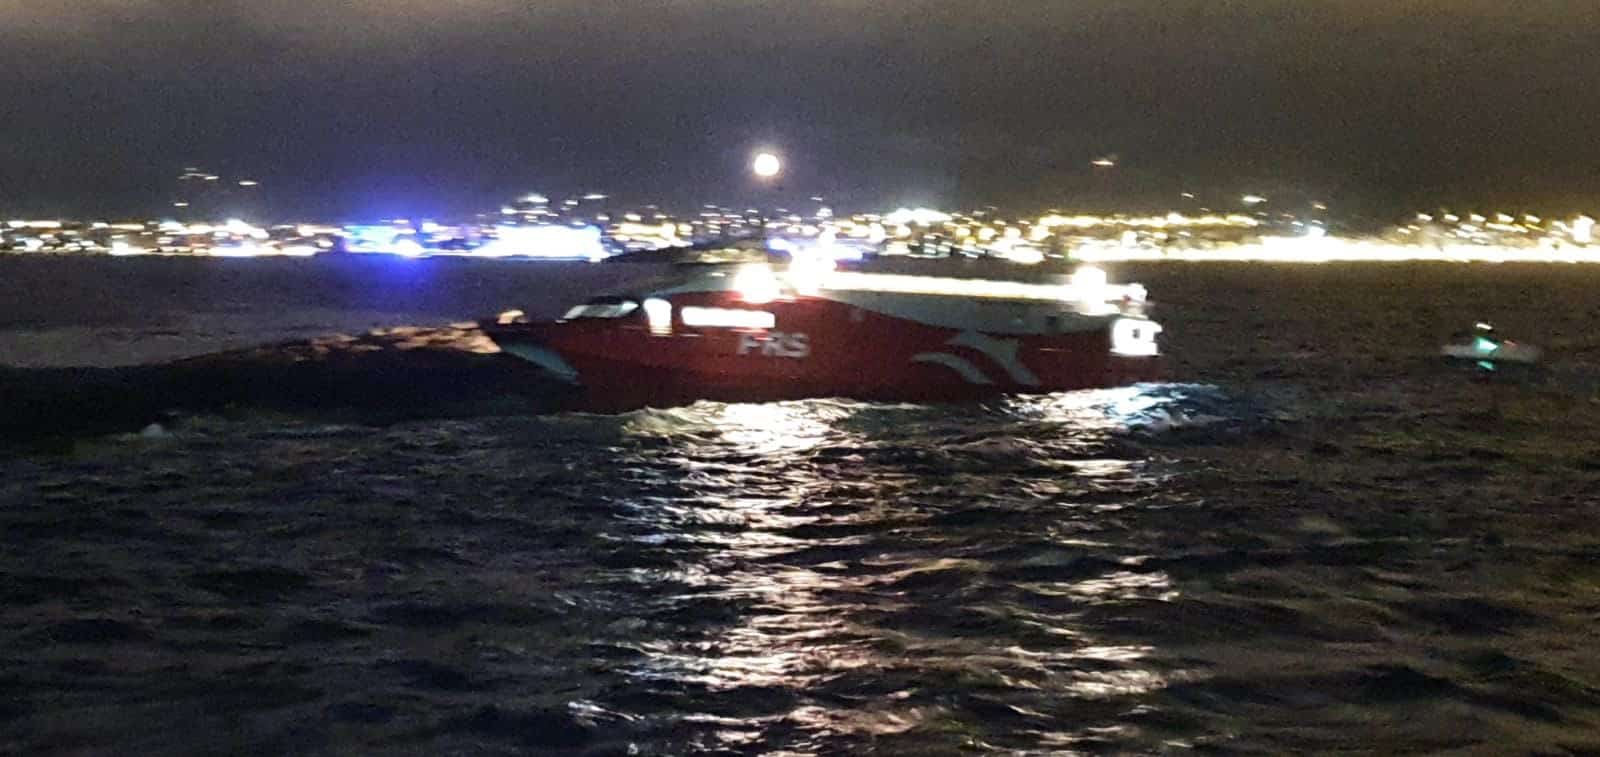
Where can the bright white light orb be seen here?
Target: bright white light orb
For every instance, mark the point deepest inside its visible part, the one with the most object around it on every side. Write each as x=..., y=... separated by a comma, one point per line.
x=1583, y=230
x=1089, y=278
x=756, y=284
x=767, y=165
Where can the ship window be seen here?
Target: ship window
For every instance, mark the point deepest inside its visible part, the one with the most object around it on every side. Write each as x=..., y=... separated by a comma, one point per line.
x=658, y=313
x=602, y=307
x=728, y=318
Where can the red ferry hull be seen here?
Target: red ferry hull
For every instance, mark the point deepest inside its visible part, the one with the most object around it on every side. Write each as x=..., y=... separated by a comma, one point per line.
x=819, y=348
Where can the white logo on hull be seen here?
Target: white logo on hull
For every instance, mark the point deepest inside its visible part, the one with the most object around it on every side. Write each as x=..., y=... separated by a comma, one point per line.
x=549, y=360
x=776, y=344
x=962, y=366
x=1002, y=351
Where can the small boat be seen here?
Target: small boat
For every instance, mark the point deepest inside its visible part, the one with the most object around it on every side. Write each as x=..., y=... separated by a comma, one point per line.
x=1484, y=347
x=800, y=328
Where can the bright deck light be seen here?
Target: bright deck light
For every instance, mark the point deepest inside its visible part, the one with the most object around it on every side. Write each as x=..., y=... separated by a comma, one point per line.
x=1089, y=278
x=757, y=284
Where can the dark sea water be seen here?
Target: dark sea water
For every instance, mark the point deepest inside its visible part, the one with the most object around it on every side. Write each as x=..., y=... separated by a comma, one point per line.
x=1324, y=540
x=1033, y=576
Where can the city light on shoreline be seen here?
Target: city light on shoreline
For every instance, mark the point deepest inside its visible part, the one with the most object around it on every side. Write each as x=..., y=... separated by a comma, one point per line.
x=592, y=227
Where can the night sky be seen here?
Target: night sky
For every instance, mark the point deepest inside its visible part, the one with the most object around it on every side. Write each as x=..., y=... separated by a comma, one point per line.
x=351, y=108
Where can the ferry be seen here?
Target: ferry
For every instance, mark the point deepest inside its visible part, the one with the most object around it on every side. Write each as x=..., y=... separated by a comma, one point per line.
x=774, y=330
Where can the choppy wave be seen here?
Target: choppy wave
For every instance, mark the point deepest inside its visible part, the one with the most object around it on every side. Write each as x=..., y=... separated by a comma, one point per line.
x=1079, y=572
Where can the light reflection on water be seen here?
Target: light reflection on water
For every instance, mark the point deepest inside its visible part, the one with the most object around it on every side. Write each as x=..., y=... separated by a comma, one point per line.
x=1128, y=571
x=775, y=427
x=838, y=566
